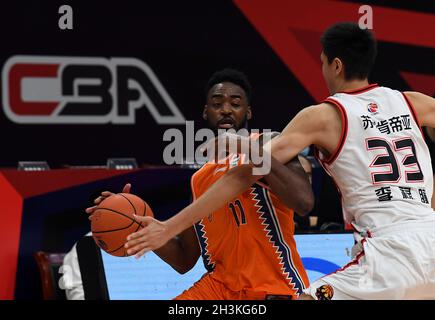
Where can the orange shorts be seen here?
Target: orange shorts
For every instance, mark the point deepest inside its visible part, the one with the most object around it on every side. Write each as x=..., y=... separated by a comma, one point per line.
x=208, y=288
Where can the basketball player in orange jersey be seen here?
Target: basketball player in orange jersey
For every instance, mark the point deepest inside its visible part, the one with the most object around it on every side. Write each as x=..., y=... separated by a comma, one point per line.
x=370, y=141
x=247, y=245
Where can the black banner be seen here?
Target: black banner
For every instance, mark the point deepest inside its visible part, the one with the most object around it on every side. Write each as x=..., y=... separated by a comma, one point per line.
x=126, y=72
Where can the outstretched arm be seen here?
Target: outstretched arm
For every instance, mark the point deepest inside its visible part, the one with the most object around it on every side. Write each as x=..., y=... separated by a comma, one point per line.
x=181, y=252
x=313, y=125
x=157, y=233
x=431, y=133
x=424, y=106
x=291, y=184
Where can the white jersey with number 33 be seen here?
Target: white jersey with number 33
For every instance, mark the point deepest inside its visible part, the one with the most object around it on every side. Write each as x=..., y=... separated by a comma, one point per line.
x=382, y=165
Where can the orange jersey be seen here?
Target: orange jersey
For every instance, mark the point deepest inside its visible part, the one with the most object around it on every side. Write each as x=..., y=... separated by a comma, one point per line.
x=248, y=245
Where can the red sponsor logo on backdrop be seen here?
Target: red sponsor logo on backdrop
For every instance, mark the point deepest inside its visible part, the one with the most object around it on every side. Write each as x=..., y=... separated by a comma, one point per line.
x=293, y=30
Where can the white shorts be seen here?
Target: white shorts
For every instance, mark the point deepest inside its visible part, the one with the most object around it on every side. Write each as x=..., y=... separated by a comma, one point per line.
x=396, y=262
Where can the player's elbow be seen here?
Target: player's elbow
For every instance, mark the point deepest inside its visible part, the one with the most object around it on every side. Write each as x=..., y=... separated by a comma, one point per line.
x=305, y=204
x=183, y=269
x=186, y=264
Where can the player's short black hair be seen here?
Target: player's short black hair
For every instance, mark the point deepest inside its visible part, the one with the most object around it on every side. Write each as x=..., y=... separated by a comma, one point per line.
x=230, y=75
x=354, y=46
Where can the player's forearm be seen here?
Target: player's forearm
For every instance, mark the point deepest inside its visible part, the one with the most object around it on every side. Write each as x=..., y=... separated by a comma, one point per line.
x=433, y=198
x=236, y=181
x=173, y=254
x=292, y=186
x=425, y=107
x=431, y=133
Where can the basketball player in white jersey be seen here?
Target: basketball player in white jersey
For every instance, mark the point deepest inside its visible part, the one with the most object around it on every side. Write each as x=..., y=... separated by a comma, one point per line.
x=369, y=140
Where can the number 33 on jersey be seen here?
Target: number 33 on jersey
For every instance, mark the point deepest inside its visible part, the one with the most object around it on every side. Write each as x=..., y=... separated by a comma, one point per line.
x=382, y=165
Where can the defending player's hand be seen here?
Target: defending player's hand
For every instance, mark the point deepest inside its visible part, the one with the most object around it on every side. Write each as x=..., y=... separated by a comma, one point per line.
x=153, y=236
x=104, y=195
x=219, y=147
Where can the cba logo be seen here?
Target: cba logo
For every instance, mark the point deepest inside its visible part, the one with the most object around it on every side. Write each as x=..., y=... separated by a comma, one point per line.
x=324, y=292
x=82, y=90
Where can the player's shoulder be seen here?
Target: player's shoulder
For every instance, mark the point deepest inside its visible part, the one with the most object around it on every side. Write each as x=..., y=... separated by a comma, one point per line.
x=323, y=113
x=416, y=96
x=418, y=99
x=323, y=108
x=423, y=105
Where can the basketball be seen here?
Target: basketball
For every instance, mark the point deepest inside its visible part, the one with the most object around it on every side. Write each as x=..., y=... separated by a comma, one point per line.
x=113, y=221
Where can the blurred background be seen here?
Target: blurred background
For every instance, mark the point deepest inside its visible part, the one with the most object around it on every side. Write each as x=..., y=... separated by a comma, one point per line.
x=127, y=71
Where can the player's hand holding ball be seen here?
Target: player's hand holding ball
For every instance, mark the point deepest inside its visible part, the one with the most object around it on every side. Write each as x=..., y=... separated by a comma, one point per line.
x=123, y=224
x=104, y=195
x=152, y=236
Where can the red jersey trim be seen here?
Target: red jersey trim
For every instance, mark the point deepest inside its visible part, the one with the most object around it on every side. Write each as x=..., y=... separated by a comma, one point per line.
x=414, y=113
x=344, y=130
x=361, y=90
x=351, y=263
x=317, y=156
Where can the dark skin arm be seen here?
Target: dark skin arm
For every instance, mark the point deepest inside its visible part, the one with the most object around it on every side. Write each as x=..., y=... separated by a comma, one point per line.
x=431, y=133
x=291, y=184
x=181, y=252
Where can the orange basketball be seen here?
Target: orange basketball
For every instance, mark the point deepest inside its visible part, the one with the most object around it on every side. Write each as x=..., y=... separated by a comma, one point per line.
x=113, y=221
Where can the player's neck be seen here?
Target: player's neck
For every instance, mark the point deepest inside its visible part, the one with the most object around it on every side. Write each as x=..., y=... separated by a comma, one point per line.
x=352, y=85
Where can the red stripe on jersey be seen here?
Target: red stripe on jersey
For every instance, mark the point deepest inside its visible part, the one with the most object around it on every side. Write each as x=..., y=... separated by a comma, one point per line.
x=414, y=113
x=361, y=90
x=353, y=262
x=344, y=129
